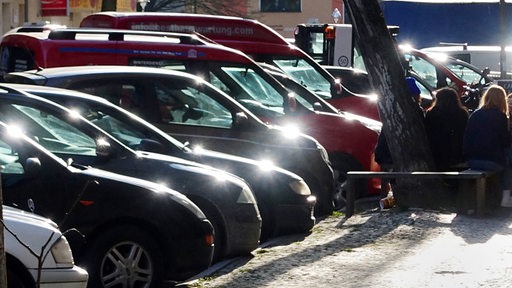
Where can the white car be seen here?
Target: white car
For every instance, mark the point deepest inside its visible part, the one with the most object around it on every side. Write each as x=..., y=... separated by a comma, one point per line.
x=23, y=230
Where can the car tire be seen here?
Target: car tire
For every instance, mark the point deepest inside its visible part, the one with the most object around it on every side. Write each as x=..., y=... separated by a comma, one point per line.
x=18, y=279
x=110, y=259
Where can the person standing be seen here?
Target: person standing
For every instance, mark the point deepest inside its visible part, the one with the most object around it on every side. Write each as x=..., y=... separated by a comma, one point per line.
x=487, y=137
x=445, y=123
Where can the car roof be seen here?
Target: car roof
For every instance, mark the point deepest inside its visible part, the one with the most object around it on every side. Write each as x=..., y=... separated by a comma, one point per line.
x=56, y=72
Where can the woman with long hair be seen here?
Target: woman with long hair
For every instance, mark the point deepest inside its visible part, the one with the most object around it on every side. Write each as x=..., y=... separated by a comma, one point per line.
x=487, y=136
x=445, y=123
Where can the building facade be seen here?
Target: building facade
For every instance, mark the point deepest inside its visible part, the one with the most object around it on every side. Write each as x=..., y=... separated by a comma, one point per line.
x=282, y=15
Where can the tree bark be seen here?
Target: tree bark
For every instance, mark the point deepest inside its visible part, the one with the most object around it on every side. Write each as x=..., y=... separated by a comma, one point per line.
x=402, y=124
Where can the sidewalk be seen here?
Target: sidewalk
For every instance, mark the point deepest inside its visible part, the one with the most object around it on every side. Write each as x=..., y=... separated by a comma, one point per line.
x=387, y=249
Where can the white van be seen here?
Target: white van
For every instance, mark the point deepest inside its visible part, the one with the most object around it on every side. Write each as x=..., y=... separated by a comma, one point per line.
x=479, y=56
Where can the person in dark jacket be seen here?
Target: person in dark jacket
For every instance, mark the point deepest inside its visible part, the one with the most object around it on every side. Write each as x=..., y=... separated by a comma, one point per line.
x=487, y=136
x=445, y=123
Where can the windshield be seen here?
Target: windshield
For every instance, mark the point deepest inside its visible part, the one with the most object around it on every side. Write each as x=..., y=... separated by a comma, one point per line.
x=126, y=128
x=53, y=133
x=466, y=72
x=304, y=73
x=250, y=86
x=427, y=71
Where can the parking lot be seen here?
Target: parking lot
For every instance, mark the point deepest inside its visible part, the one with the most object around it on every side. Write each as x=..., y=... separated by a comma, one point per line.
x=416, y=248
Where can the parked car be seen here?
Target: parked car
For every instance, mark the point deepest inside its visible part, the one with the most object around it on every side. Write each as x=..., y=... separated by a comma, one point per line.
x=284, y=199
x=213, y=120
x=37, y=252
x=358, y=81
x=227, y=200
x=355, y=80
x=349, y=142
x=170, y=235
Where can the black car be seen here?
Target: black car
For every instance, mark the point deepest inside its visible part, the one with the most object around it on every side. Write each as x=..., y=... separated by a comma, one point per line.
x=159, y=236
x=194, y=111
x=227, y=200
x=284, y=199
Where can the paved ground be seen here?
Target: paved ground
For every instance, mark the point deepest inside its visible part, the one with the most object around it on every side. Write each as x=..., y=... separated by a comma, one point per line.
x=385, y=249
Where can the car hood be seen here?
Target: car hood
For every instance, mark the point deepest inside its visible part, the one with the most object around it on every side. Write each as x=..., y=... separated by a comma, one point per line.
x=189, y=166
x=20, y=219
x=32, y=230
x=95, y=173
x=239, y=165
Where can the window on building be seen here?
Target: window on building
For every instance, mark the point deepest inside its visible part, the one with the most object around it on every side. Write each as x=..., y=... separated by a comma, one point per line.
x=280, y=5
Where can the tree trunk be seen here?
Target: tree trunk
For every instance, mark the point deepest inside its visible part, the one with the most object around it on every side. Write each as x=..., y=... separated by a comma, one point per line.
x=402, y=124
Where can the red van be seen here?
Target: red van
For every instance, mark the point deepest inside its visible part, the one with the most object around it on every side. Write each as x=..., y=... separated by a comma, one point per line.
x=252, y=37
x=348, y=139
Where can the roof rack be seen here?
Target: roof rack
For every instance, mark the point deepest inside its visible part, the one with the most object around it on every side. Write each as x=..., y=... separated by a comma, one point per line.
x=122, y=35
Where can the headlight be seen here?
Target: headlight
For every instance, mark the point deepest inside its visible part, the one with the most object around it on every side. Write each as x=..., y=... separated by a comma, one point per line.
x=246, y=196
x=300, y=187
x=62, y=254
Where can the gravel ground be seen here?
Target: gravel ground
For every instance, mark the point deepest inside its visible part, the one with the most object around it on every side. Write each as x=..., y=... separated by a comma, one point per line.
x=373, y=248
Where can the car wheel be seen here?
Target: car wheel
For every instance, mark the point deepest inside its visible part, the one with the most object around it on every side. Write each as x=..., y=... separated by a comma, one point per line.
x=18, y=279
x=341, y=166
x=124, y=256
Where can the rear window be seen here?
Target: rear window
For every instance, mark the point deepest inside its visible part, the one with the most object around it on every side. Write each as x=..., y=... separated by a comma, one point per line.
x=13, y=59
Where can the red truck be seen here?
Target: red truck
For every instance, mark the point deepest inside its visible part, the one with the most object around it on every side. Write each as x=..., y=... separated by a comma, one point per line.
x=259, y=41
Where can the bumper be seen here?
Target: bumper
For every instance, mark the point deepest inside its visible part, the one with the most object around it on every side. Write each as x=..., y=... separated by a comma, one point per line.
x=292, y=219
x=190, y=257
x=244, y=233
x=75, y=277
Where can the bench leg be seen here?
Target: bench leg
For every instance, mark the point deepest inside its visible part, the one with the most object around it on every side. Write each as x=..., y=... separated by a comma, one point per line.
x=480, y=196
x=351, y=197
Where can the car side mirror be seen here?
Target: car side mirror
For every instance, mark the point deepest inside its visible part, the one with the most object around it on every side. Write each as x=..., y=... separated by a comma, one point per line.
x=486, y=71
x=103, y=149
x=317, y=107
x=337, y=87
x=32, y=167
x=240, y=119
x=291, y=102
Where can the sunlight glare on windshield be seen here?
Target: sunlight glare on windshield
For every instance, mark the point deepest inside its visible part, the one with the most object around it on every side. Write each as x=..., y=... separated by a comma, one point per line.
x=14, y=131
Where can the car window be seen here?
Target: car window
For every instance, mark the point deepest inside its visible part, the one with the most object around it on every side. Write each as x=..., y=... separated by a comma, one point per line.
x=9, y=163
x=427, y=72
x=465, y=73
x=304, y=73
x=255, y=86
x=53, y=133
x=190, y=105
x=162, y=100
x=122, y=131
x=237, y=80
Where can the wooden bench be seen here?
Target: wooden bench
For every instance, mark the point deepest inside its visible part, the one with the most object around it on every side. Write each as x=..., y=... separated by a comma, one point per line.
x=478, y=177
